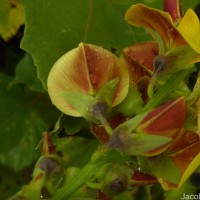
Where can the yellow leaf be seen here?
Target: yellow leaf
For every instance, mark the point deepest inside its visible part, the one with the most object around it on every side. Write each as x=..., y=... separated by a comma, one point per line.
x=11, y=18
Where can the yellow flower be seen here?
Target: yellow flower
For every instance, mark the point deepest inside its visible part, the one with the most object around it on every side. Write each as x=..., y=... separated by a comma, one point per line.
x=189, y=28
x=162, y=28
x=157, y=22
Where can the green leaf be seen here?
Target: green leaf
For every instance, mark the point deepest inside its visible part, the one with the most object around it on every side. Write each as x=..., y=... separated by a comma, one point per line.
x=75, y=150
x=155, y=166
x=71, y=125
x=96, y=22
x=26, y=74
x=10, y=181
x=189, y=4
x=132, y=123
x=22, y=154
x=22, y=122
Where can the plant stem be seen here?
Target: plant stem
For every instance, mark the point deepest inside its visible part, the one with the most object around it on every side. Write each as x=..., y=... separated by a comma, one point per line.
x=98, y=159
x=165, y=90
x=106, y=125
x=151, y=86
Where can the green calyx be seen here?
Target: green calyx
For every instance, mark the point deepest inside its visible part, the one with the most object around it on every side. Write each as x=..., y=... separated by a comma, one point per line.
x=93, y=108
x=176, y=59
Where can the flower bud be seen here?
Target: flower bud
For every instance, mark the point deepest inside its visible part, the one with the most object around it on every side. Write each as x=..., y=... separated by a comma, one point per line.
x=116, y=180
x=173, y=7
x=176, y=59
x=150, y=133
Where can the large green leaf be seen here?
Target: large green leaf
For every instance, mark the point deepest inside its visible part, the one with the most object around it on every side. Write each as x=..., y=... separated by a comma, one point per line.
x=26, y=74
x=23, y=118
x=60, y=26
x=76, y=151
x=10, y=182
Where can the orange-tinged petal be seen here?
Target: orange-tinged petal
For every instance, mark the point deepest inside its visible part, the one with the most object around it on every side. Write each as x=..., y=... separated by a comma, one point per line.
x=141, y=179
x=185, y=154
x=187, y=166
x=165, y=120
x=174, y=167
x=157, y=151
x=104, y=66
x=85, y=69
x=187, y=161
x=139, y=65
x=184, y=138
x=189, y=28
x=155, y=20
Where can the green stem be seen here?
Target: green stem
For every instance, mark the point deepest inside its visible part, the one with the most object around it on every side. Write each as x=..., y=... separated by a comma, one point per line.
x=106, y=125
x=98, y=159
x=151, y=86
x=165, y=90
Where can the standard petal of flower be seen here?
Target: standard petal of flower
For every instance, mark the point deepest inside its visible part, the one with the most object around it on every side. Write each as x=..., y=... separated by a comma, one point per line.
x=189, y=28
x=155, y=20
x=138, y=65
x=85, y=69
x=141, y=179
x=104, y=66
x=69, y=73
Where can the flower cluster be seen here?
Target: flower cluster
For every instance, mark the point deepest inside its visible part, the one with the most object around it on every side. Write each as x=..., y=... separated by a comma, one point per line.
x=141, y=106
